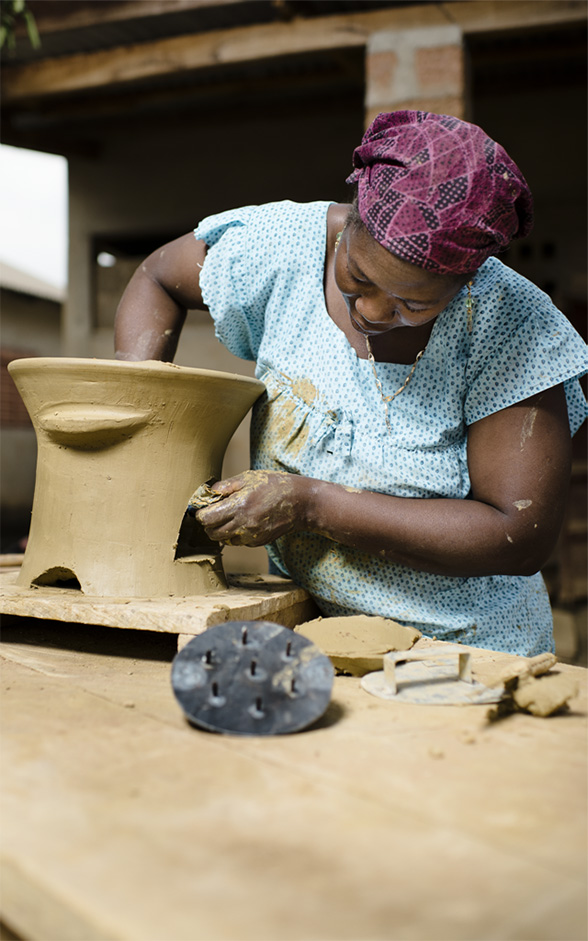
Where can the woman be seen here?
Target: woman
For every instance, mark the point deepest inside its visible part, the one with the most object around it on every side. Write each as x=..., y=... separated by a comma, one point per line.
x=412, y=453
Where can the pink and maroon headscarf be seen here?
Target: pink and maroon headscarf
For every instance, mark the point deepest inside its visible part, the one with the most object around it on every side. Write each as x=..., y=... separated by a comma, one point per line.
x=438, y=192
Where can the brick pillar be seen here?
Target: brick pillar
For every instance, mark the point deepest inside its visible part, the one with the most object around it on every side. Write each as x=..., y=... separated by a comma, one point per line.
x=418, y=69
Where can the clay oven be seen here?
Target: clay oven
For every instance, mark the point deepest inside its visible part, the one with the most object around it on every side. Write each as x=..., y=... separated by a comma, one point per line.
x=121, y=448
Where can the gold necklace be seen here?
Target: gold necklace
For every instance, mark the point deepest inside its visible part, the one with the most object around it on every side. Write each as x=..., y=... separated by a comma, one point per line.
x=386, y=399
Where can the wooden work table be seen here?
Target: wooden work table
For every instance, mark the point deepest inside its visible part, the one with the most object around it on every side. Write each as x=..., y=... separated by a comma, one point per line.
x=385, y=821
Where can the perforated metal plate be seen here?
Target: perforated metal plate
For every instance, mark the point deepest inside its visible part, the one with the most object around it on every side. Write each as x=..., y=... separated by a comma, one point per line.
x=252, y=678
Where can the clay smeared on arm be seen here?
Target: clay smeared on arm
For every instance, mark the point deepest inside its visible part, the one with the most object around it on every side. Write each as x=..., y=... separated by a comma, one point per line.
x=509, y=526
x=152, y=310
x=257, y=507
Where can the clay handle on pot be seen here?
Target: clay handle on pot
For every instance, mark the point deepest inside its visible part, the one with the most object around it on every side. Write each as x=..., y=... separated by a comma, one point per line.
x=91, y=427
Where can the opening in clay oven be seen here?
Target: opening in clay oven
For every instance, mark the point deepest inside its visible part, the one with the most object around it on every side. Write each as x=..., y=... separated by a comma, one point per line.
x=58, y=577
x=193, y=543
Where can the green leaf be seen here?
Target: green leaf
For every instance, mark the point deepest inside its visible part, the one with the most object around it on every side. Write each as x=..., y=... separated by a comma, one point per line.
x=32, y=30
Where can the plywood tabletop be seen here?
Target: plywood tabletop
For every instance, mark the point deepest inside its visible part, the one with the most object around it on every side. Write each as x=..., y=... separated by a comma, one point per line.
x=384, y=821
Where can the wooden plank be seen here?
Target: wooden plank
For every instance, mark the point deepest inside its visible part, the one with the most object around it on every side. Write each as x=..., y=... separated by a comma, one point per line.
x=177, y=54
x=384, y=822
x=51, y=18
x=71, y=109
x=11, y=559
x=475, y=16
x=249, y=597
x=124, y=64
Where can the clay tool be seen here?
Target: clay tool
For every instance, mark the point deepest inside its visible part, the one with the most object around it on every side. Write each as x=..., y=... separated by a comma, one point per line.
x=252, y=678
x=203, y=496
x=441, y=678
x=192, y=539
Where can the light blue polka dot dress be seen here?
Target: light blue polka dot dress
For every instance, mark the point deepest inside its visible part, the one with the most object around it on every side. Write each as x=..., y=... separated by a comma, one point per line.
x=323, y=416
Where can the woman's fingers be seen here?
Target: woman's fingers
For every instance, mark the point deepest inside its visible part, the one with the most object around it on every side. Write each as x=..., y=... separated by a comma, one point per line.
x=257, y=507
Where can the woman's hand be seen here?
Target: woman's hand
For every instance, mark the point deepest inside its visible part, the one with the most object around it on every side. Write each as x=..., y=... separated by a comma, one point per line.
x=257, y=507
x=519, y=466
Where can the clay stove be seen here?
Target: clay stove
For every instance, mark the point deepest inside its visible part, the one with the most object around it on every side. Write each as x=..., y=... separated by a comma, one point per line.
x=121, y=448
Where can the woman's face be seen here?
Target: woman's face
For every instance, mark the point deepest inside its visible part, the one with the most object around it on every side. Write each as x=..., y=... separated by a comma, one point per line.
x=382, y=292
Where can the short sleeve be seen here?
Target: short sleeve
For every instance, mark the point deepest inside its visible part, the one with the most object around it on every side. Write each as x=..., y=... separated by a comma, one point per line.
x=525, y=346
x=236, y=306
x=256, y=262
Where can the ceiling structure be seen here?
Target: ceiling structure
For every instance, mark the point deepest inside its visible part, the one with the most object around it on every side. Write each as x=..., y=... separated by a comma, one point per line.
x=123, y=59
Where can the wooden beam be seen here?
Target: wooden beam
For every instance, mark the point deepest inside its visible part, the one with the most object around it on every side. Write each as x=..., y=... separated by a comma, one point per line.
x=85, y=72
x=57, y=17
x=125, y=64
x=475, y=16
x=73, y=111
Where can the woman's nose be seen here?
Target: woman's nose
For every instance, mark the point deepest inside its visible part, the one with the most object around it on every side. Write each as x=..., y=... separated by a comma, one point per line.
x=373, y=312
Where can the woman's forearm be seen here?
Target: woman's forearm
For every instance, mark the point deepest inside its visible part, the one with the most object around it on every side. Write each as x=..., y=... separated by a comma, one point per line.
x=454, y=537
x=509, y=526
x=153, y=308
x=148, y=321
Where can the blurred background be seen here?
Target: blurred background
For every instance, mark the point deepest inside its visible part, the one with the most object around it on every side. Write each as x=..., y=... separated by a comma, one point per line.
x=126, y=121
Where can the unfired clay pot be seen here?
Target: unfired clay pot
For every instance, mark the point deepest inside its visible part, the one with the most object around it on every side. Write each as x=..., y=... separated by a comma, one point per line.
x=121, y=448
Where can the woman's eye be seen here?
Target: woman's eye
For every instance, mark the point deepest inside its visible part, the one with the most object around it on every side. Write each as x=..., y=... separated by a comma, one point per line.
x=357, y=280
x=415, y=310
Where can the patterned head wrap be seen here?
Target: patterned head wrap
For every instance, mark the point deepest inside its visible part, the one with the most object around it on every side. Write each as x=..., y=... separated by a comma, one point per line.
x=438, y=192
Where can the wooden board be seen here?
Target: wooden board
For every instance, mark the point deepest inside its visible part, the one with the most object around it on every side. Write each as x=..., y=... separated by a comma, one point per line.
x=385, y=821
x=249, y=597
x=123, y=65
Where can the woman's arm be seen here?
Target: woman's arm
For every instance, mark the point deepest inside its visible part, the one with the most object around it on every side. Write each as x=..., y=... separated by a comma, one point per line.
x=519, y=464
x=153, y=308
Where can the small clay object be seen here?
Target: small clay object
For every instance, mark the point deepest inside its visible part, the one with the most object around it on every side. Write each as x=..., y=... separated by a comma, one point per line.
x=357, y=644
x=529, y=666
x=203, y=496
x=441, y=677
x=252, y=678
x=534, y=690
x=545, y=695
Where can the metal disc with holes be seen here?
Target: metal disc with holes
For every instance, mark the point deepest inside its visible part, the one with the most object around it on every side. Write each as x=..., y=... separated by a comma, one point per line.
x=252, y=678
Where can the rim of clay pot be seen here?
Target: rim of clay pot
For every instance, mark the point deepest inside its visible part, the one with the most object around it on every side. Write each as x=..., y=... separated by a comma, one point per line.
x=144, y=366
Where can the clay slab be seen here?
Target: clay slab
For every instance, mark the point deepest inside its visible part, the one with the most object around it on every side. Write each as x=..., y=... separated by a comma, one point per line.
x=356, y=645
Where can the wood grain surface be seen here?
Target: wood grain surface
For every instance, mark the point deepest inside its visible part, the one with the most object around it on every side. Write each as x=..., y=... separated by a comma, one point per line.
x=384, y=821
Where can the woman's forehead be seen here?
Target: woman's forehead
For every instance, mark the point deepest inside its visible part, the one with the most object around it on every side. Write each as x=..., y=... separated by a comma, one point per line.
x=392, y=273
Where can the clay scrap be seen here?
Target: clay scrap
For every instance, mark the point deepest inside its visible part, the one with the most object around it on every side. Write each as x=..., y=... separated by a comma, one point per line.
x=203, y=496
x=530, y=687
x=357, y=644
x=528, y=667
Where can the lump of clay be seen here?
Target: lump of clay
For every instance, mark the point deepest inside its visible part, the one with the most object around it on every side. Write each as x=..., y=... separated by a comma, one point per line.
x=357, y=644
x=545, y=695
x=531, y=666
x=507, y=676
x=530, y=687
